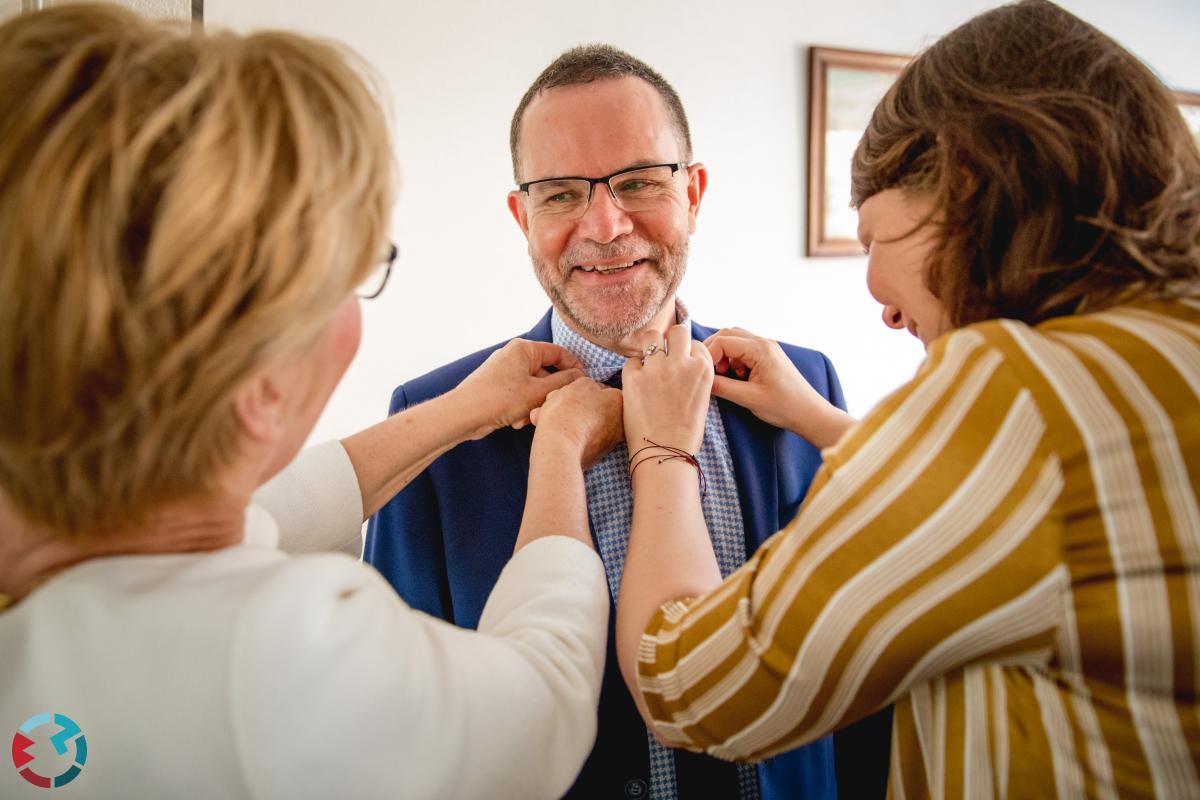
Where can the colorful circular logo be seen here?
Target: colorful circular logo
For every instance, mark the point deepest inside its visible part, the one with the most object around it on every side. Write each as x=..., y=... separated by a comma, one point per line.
x=68, y=734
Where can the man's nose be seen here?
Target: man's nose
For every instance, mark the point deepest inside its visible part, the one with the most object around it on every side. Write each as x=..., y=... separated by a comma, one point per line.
x=893, y=318
x=604, y=220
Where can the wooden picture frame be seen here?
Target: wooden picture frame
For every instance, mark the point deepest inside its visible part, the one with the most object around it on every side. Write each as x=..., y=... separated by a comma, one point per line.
x=844, y=86
x=1189, y=106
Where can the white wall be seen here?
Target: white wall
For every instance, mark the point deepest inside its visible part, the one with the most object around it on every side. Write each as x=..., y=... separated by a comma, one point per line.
x=457, y=68
x=158, y=9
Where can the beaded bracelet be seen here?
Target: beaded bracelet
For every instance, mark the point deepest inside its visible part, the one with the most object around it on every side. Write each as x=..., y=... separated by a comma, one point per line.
x=673, y=454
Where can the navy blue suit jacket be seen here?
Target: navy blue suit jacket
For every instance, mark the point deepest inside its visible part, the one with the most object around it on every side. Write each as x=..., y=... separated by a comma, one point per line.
x=444, y=539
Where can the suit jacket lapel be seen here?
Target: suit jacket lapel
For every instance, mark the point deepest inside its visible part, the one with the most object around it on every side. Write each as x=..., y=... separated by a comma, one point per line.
x=752, y=446
x=540, y=332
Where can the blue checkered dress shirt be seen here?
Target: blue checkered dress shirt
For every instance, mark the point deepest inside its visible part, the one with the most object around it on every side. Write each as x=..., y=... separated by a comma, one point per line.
x=610, y=508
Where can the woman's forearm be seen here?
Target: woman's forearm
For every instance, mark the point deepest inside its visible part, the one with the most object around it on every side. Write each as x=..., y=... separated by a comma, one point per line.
x=822, y=427
x=556, y=502
x=389, y=454
x=669, y=556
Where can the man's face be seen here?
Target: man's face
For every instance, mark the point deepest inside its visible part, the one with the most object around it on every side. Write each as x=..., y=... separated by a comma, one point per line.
x=609, y=271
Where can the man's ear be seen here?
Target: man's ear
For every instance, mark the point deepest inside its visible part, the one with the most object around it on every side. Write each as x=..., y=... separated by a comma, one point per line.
x=697, y=183
x=516, y=207
x=258, y=404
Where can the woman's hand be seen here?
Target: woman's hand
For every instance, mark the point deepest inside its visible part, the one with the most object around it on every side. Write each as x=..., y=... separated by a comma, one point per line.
x=578, y=424
x=513, y=381
x=773, y=388
x=500, y=392
x=584, y=415
x=667, y=391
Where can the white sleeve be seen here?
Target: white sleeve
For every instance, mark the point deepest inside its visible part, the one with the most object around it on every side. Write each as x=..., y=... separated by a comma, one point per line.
x=341, y=690
x=316, y=502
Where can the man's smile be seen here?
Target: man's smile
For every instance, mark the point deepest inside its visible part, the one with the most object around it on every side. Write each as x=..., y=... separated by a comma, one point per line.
x=610, y=268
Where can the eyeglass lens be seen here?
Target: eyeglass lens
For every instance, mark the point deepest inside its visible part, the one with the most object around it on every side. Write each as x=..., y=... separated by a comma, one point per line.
x=635, y=190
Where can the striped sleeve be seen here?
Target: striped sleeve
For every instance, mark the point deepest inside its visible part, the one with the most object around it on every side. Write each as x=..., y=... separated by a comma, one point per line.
x=928, y=541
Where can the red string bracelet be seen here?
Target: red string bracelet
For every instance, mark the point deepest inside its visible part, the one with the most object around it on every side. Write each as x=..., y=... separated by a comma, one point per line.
x=674, y=453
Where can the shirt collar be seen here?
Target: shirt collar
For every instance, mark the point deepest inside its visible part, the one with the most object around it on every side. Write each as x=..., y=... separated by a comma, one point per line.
x=599, y=364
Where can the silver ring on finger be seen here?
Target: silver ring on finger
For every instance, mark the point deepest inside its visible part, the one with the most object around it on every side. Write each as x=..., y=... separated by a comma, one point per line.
x=650, y=350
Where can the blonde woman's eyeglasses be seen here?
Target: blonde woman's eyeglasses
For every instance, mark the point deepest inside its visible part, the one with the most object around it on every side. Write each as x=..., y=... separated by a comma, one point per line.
x=372, y=285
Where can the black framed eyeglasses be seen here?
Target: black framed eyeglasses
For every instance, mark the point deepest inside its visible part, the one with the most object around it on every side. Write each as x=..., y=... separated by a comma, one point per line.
x=633, y=189
x=372, y=286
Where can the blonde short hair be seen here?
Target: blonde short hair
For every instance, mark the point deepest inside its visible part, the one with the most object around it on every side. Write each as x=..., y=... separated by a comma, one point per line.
x=178, y=211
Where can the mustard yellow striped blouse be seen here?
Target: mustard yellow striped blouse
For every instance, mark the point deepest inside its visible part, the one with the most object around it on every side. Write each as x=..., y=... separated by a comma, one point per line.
x=1008, y=548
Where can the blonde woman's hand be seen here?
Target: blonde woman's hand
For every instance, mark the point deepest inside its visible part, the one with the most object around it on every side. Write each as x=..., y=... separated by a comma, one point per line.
x=769, y=385
x=585, y=416
x=514, y=380
x=667, y=391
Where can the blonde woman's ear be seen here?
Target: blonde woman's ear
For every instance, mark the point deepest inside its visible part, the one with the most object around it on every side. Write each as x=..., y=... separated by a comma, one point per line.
x=259, y=406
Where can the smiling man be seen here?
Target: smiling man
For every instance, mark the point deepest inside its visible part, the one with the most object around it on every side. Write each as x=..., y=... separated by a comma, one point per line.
x=609, y=251
x=607, y=196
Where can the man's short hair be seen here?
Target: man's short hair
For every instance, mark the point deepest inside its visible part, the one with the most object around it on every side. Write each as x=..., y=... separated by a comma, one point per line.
x=594, y=62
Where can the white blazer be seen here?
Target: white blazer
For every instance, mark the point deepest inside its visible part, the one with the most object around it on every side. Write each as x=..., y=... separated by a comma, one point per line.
x=248, y=673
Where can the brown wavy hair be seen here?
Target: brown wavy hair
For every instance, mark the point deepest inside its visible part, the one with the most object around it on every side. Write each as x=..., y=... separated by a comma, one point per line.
x=1063, y=176
x=178, y=211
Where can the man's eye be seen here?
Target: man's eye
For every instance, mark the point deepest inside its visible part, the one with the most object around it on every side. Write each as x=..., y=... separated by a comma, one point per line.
x=628, y=187
x=558, y=195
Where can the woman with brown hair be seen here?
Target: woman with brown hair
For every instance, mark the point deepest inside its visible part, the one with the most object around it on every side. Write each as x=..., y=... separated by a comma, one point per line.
x=1008, y=547
x=185, y=222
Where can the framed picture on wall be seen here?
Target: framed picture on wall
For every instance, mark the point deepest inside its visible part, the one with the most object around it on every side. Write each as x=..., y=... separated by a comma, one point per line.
x=1189, y=104
x=844, y=86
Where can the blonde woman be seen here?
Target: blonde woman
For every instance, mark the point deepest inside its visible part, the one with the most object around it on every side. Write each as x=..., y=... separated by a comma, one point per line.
x=184, y=221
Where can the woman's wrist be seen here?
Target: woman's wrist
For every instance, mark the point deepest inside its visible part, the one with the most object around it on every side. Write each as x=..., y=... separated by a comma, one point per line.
x=469, y=417
x=656, y=467
x=662, y=437
x=555, y=503
x=821, y=426
x=559, y=445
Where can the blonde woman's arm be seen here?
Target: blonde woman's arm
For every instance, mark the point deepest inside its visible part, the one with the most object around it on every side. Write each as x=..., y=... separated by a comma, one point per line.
x=411, y=706
x=321, y=499
x=338, y=689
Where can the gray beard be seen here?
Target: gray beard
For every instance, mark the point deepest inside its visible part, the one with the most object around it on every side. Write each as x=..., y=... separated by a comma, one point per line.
x=636, y=312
